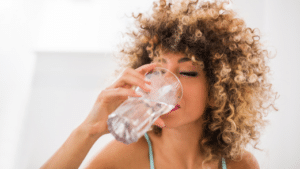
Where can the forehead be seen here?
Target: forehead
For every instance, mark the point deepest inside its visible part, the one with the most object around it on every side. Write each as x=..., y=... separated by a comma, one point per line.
x=176, y=57
x=181, y=60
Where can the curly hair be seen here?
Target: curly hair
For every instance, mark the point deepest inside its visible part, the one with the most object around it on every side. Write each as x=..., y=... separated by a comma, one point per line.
x=231, y=54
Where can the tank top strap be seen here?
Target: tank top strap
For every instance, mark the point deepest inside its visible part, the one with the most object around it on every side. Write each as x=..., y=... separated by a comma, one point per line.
x=223, y=163
x=151, y=154
x=150, y=151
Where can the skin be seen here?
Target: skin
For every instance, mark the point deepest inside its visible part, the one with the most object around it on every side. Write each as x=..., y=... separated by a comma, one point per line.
x=177, y=147
x=179, y=140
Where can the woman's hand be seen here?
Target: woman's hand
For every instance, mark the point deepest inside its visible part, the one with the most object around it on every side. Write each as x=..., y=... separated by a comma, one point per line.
x=113, y=96
x=74, y=150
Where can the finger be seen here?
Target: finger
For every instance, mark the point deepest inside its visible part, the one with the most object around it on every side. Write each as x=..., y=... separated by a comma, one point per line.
x=117, y=92
x=160, y=123
x=141, y=72
x=129, y=73
x=129, y=80
x=146, y=68
x=137, y=74
x=111, y=94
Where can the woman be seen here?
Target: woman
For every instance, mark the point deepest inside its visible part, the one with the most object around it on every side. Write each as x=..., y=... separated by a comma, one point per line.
x=222, y=67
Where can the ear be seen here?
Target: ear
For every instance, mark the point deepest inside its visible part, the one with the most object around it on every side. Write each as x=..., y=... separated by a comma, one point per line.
x=210, y=102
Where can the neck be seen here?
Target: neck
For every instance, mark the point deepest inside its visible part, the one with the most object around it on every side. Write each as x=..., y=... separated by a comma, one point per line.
x=182, y=144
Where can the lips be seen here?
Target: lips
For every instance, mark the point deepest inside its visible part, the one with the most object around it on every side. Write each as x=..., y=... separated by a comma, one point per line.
x=176, y=107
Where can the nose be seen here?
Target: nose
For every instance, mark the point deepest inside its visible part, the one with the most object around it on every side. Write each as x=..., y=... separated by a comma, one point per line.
x=171, y=69
x=171, y=78
x=168, y=73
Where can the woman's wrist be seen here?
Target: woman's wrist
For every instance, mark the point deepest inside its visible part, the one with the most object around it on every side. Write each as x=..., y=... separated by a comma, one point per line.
x=74, y=150
x=92, y=131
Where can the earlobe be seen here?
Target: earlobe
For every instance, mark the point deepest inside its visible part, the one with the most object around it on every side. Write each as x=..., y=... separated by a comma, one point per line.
x=210, y=101
x=210, y=104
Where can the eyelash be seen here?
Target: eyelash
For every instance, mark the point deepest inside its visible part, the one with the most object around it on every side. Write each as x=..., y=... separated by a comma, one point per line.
x=192, y=74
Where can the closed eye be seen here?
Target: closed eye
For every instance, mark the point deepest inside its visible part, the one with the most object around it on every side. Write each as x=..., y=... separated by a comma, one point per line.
x=193, y=74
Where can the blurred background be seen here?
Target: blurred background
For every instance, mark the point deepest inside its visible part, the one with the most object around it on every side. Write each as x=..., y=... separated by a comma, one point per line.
x=56, y=57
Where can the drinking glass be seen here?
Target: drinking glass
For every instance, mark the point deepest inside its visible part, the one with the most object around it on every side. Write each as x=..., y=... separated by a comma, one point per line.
x=133, y=118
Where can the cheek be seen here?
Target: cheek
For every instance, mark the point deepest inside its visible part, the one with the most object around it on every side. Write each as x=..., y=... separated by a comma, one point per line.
x=196, y=90
x=196, y=96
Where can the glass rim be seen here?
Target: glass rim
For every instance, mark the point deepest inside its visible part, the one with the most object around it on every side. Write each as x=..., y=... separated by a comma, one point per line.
x=173, y=75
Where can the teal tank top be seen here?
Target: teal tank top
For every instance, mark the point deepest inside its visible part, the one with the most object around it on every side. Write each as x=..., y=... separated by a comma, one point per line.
x=151, y=154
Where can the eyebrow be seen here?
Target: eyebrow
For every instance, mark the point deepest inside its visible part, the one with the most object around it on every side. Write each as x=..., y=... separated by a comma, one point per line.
x=185, y=59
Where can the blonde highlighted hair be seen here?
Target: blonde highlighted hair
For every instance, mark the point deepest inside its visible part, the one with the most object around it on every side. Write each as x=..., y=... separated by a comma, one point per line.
x=231, y=54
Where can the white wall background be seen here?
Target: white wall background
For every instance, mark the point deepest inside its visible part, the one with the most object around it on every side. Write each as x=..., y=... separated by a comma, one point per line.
x=55, y=58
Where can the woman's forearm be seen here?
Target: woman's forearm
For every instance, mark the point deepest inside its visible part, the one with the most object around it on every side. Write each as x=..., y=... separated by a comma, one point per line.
x=73, y=151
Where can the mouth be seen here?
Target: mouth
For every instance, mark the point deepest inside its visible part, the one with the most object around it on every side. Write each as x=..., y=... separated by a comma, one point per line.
x=176, y=107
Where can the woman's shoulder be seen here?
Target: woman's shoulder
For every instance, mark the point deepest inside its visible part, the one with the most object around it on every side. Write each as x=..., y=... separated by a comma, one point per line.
x=136, y=155
x=118, y=155
x=248, y=161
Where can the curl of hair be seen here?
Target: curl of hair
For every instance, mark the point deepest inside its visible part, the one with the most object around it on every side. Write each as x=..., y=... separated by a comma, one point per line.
x=233, y=58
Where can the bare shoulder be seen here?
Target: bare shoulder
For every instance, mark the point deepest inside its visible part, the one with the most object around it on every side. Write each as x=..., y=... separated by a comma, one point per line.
x=118, y=155
x=248, y=162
